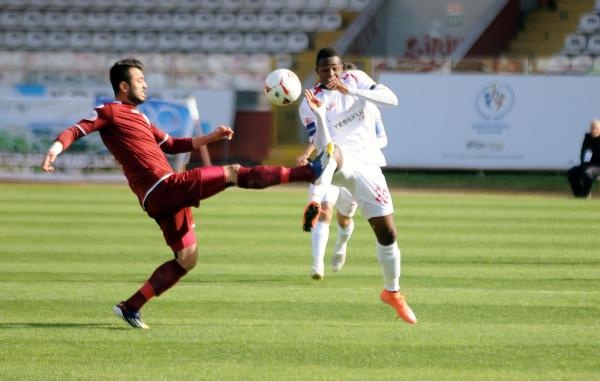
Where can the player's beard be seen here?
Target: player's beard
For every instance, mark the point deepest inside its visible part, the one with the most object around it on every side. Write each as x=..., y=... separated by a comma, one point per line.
x=135, y=99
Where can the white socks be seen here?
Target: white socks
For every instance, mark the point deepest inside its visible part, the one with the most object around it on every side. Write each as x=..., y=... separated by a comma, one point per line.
x=344, y=235
x=319, y=236
x=389, y=259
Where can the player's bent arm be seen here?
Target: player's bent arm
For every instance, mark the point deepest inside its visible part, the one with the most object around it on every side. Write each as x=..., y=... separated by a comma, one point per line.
x=381, y=95
x=221, y=132
x=55, y=149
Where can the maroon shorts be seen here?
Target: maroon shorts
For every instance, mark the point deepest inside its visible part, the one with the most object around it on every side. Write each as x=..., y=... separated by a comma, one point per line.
x=169, y=203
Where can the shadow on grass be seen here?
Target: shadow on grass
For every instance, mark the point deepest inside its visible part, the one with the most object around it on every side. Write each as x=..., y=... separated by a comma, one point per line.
x=60, y=325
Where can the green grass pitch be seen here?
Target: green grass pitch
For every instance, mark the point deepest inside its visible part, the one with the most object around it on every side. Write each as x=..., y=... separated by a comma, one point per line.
x=505, y=287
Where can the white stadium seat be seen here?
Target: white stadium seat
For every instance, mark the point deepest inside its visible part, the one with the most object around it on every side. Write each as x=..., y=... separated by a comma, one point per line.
x=267, y=21
x=357, y=5
x=139, y=20
x=211, y=41
x=96, y=20
x=74, y=20
x=316, y=5
x=253, y=5
x=102, y=40
x=246, y=21
x=210, y=5
x=338, y=5
x=225, y=21
x=146, y=41
x=276, y=42
x=168, y=41
x=15, y=4
x=289, y=21
x=589, y=23
x=182, y=21
x=61, y=4
x=275, y=5
x=123, y=41
x=14, y=39
x=167, y=5
x=310, y=22
x=54, y=20
x=58, y=40
x=32, y=20
x=189, y=41
x=232, y=5
x=254, y=42
x=10, y=19
x=117, y=20
x=160, y=21
x=297, y=42
x=79, y=40
x=233, y=42
x=331, y=21
x=574, y=44
x=203, y=21
x=593, y=45
x=295, y=5
x=35, y=40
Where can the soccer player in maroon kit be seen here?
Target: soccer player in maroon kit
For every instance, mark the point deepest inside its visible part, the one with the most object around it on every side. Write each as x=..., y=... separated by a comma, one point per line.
x=139, y=147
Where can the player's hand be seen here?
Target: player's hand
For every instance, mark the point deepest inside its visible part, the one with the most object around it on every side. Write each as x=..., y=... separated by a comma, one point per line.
x=313, y=102
x=302, y=160
x=335, y=84
x=53, y=152
x=223, y=132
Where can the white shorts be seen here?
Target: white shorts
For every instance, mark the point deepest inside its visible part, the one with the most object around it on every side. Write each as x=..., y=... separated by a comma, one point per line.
x=368, y=186
x=339, y=196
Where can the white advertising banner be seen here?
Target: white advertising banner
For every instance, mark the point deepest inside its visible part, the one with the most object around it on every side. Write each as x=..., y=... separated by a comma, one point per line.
x=492, y=122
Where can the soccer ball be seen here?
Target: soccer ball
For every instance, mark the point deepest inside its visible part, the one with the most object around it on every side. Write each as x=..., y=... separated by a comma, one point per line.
x=282, y=87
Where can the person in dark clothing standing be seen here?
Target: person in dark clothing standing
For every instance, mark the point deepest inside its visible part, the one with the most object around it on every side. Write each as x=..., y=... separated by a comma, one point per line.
x=582, y=176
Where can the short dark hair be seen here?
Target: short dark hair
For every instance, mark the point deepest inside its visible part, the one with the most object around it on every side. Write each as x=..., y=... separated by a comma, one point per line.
x=120, y=72
x=326, y=53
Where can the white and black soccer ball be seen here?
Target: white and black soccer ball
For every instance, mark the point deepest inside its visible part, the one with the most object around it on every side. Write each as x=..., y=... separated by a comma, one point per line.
x=282, y=87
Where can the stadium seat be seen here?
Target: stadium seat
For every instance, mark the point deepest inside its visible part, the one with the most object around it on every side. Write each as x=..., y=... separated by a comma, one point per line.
x=117, y=20
x=246, y=21
x=147, y=5
x=276, y=42
x=58, y=40
x=574, y=44
x=96, y=20
x=15, y=4
x=253, y=5
x=10, y=19
x=581, y=64
x=79, y=41
x=168, y=41
x=182, y=21
x=267, y=21
x=211, y=41
x=13, y=39
x=225, y=21
x=210, y=5
x=74, y=20
x=338, y=5
x=139, y=20
x=166, y=5
x=189, y=41
x=289, y=21
x=32, y=20
x=232, y=5
x=593, y=45
x=254, y=42
x=331, y=21
x=203, y=21
x=310, y=22
x=275, y=5
x=123, y=41
x=315, y=5
x=145, y=41
x=556, y=64
x=357, y=5
x=597, y=6
x=295, y=5
x=589, y=23
x=297, y=42
x=160, y=21
x=53, y=20
x=102, y=41
x=35, y=40
x=60, y=4
x=233, y=42
x=82, y=4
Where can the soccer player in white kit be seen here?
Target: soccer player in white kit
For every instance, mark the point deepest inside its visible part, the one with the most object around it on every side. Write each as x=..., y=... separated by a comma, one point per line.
x=336, y=110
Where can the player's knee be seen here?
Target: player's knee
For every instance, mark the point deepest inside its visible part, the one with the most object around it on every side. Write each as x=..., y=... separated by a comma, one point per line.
x=231, y=173
x=188, y=257
x=386, y=235
x=325, y=213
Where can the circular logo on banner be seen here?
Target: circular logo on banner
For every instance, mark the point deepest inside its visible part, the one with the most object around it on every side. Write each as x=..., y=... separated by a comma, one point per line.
x=495, y=101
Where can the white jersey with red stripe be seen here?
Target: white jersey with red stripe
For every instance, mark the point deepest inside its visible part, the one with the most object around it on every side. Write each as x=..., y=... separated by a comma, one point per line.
x=350, y=118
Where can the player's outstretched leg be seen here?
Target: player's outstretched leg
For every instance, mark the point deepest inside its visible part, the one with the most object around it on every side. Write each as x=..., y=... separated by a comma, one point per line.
x=324, y=165
x=133, y=318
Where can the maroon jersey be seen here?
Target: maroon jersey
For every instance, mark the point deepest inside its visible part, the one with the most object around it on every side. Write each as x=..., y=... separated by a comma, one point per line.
x=138, y=145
